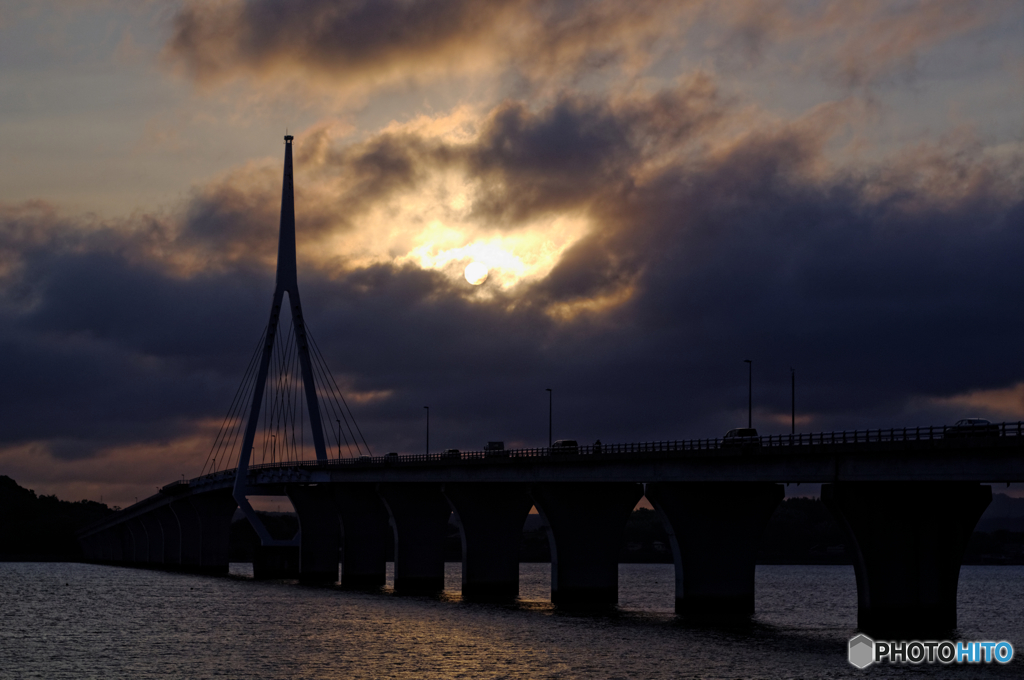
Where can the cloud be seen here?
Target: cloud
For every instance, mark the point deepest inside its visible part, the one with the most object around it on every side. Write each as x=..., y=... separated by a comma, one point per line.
x=1002, y=404
x=393, y=41
x=364, y=46
x=673, y=232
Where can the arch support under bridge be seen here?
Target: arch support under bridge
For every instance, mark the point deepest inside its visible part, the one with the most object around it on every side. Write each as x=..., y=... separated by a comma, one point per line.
x=586, y=522
x=491, y=518
x=715, y=529
x=907, y=541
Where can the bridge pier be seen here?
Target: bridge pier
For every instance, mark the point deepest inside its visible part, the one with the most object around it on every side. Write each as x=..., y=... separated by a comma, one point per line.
x=155, y=538
x=171, y=536
x=122, y=544
x=190, y=534
x=491, y=517
x=714, y=529
x=907, y=540
x=140, y=541
x=214, y=511
x=100, y=549
x=586, y=523
x=110, y=546
x=365, y=535
x=321, y=532
x=127, y=544
x=419, y=516
x=92, y=548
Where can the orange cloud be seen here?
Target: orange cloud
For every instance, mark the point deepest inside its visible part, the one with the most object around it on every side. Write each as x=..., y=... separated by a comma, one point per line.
x=999, y=404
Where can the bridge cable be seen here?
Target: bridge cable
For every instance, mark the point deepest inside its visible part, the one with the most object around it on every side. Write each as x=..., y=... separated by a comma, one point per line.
x=239, y=413
x=225, y=428
x=316, y=349
x=335, y=406
x=332, y=404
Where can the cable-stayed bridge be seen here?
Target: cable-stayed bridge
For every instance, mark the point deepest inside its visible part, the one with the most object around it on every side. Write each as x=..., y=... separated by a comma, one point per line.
x=908, y=498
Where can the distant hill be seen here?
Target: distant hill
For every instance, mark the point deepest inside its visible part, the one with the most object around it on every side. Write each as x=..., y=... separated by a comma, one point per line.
x=41, y=528
x=1004, y=514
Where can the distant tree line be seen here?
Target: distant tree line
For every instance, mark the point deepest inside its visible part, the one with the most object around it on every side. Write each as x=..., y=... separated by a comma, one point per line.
x=41, y=528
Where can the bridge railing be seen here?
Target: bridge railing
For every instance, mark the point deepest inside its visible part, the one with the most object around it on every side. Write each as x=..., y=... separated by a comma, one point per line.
x=716, y=446
x=701, y=447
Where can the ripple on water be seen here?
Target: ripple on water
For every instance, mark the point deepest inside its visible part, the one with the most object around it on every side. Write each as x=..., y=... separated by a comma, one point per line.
x=75, y=620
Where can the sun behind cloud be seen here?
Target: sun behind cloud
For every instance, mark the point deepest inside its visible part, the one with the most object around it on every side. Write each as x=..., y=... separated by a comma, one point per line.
x=476, y=273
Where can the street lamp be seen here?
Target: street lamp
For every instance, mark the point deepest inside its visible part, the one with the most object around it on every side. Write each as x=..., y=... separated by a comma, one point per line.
x=750, y=392
x=548, y=390
x=792, y=385
x=428, y=429
x=339, y=437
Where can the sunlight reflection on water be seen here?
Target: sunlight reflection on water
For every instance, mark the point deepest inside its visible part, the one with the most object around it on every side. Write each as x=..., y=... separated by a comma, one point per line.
x=75, y=620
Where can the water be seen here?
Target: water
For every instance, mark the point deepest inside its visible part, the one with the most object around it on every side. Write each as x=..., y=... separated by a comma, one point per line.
x=86, y=621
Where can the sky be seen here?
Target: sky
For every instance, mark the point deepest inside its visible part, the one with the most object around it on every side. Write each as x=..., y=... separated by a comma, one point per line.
x=658, y=191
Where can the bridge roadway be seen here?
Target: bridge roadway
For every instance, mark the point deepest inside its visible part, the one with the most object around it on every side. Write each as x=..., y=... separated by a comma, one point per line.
x=908, y=501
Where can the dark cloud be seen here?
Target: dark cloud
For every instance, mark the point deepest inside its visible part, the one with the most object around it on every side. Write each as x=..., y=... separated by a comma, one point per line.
x=402, y=40
x=398, y=42
x=884, y=288
x=360, y=36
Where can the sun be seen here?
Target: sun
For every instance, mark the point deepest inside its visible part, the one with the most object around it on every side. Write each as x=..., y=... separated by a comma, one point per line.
x=476, y=273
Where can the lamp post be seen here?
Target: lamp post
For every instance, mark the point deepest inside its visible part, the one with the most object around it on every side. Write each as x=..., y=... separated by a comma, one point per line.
x=750, y=392
x=339, y=438
x=428, y=429
x=548, y=390
x=792, y=385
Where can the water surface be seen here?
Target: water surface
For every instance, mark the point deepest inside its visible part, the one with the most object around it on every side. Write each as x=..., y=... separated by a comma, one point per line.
x=87, y=621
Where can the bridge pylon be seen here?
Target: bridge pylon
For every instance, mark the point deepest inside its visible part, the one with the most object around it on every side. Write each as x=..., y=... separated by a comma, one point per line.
x=287, y=282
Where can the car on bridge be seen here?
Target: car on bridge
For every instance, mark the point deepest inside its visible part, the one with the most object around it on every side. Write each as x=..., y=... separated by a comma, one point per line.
x=451, y=454
x=743, y=438
x=495, y=450
x=564, y=447
x=971, y=427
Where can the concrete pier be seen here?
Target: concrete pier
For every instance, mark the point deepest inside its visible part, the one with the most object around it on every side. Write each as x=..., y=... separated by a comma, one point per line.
x=139, y=541
x=215, y=510
x=321, y=532
x=586, y=524
x=110, y=545
x=171, y=537
x=154, y=537
x=419, y=516
x=366, y=534
x=715, y=529
x=907, y=540
x=92, y=548
x=191, y=536
x=127, y=544
x=491, y=518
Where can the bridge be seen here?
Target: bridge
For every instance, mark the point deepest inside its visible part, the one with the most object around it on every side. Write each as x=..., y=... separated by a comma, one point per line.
x=908, y=499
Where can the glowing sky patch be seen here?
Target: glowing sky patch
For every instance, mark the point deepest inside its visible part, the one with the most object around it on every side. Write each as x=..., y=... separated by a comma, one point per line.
x=476, y=273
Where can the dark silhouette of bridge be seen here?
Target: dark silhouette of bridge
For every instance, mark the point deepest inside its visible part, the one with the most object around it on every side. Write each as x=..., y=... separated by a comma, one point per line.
x=908, y=500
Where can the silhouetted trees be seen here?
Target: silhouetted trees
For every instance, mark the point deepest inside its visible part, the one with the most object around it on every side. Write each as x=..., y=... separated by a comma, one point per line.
x=41, y=528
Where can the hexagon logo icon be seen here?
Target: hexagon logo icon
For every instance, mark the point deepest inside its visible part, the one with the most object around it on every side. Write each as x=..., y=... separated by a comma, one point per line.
x=862, y=651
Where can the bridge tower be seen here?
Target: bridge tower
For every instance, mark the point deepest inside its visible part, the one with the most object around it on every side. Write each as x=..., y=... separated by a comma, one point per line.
x=287, y=282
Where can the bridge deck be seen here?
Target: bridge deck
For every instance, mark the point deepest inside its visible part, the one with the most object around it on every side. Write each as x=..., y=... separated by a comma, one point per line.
x=898, y=455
